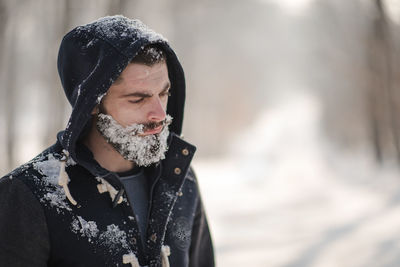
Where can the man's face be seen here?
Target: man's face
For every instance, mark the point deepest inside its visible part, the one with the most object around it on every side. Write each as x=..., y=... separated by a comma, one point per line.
x=132, y=115
x=140, y=95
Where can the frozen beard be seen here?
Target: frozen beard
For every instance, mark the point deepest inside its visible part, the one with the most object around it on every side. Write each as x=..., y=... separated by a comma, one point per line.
x=143, y=150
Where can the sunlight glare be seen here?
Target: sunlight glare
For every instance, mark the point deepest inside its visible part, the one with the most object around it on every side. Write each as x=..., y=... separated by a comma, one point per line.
x=294, y=7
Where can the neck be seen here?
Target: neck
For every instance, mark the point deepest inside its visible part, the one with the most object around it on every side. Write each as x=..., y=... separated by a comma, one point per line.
x=105, y=154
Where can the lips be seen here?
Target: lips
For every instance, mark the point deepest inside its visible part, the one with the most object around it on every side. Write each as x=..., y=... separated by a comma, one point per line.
x=154, y=130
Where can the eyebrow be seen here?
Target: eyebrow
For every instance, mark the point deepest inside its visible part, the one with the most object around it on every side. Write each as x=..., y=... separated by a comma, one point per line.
x=144, y=94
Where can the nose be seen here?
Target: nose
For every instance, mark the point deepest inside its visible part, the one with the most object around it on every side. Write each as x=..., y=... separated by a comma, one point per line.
x=157, y=112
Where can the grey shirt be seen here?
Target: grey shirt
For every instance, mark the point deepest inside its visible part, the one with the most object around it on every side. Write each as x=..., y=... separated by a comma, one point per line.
x=137, y=190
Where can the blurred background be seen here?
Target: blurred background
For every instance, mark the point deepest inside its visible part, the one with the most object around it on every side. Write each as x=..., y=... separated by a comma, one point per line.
x=293, y=104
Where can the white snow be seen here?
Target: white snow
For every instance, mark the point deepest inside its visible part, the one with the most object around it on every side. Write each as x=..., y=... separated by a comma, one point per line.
x=100, y=97
x=50, y=168
x=286, y=197
x=56, y=198
x=143, y=150
x=154, y=54
x=110, y=27
x=91, y=43
x=85, y=228
x=70, y=162
x=79, y=90
x=169, y=194
x=114, y=238
x=55, y=195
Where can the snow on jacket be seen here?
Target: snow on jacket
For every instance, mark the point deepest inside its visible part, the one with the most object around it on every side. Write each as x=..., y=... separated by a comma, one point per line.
x=63, y=209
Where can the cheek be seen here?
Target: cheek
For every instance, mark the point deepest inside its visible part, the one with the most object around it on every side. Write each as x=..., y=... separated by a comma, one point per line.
x=124, y=114
x=127, y=117
x=164, y=104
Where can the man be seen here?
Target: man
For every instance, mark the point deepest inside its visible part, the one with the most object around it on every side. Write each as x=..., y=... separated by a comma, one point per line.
x=117, y=188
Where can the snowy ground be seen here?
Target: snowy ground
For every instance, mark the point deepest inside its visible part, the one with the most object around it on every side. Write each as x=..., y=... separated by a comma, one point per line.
x=285, y=197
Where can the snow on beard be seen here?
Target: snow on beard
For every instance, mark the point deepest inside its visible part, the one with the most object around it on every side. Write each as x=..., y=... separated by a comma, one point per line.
x=143, y=150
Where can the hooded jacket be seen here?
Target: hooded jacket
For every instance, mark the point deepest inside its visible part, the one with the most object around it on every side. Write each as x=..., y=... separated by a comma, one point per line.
x=63, y=209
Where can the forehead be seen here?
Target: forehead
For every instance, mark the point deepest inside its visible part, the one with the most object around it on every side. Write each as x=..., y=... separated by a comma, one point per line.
x=139, y=78
x=136, y=74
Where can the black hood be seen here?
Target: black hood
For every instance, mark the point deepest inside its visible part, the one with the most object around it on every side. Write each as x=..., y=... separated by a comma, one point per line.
x=90, y=59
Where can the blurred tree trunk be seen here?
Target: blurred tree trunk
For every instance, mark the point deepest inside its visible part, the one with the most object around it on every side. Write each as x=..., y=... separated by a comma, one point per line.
x=383, y=101
x=3, y=22
x=57, y=24
x=9, y=71
x=115, y=7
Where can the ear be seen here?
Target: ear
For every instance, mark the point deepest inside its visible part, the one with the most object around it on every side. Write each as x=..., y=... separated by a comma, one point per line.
x=95, y=110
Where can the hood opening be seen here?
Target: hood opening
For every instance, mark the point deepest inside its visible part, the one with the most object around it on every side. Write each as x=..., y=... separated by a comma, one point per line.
x=90, y=59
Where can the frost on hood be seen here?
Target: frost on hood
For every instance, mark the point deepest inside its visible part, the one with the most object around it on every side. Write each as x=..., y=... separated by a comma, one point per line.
x=85, y=228
x=143, y=150
x=100, y=97
x=113, y=27
x=54, y=195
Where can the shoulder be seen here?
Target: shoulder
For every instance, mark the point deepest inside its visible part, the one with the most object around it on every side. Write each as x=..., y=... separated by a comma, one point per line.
x=12, y=188
x=28, y=178
x=23, y=227
x=17, y=199
x=30, y=167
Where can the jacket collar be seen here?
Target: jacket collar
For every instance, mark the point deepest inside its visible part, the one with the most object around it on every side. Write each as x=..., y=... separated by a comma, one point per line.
x=166, y=191
x=177, y=159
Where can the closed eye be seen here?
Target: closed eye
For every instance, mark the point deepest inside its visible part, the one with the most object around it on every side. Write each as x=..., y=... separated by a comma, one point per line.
x=166, y=93
x=136, y=101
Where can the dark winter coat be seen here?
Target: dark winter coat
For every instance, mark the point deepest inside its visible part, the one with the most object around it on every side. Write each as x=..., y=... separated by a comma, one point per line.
x=89, y=221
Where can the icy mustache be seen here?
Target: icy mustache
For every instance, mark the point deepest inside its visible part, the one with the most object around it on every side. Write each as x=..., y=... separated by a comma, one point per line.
x=135, y=128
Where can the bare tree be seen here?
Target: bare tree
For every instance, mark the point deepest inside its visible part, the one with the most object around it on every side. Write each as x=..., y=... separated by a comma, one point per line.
x=9, y=72
x=3, y=21
x=116, y=7
x=382, y=97
x=56, y=26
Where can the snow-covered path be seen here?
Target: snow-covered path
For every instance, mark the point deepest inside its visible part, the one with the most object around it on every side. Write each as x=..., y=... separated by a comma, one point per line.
x=284, y=197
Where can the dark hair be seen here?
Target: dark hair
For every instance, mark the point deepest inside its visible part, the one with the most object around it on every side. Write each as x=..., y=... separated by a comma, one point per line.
x=150, y=55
